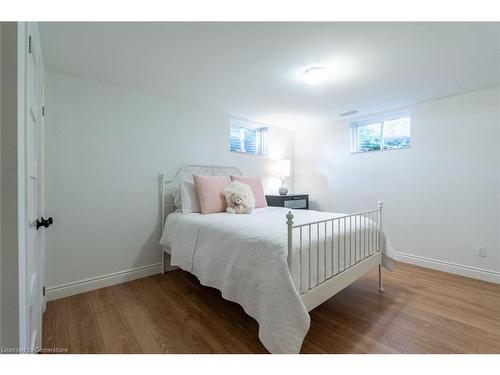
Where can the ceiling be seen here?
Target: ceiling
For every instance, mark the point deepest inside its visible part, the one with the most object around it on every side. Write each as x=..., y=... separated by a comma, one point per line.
x=250, y=70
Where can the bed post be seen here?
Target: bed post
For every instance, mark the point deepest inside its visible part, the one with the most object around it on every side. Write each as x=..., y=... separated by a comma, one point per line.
x=380, y=280
x=162, y=192
x=289, y=223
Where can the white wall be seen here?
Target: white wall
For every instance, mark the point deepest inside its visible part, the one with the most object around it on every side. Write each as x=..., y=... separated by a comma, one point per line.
x=105, y=147
x=441, y=197
x=9, y=275
x=0, y=182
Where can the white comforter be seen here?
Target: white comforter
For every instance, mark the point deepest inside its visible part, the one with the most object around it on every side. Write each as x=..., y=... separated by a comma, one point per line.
x=245, y=257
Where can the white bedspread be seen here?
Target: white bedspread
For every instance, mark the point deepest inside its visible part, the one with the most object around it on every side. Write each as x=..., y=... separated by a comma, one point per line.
x=244, y=256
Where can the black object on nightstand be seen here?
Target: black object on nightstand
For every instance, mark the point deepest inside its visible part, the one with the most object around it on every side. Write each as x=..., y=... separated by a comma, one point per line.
x=296, y=201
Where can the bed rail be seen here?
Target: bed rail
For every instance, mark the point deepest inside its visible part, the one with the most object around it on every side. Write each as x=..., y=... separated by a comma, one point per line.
x=328, y=248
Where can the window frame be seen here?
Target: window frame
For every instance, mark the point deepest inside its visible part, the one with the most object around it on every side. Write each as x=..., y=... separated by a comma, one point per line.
x=380, y=119
x=261, y=136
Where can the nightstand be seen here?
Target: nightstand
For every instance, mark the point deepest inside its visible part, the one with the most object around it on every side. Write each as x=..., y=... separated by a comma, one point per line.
x=296, y=201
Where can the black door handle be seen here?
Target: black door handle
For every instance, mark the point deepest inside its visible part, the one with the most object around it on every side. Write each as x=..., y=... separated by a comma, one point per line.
x=44, y=222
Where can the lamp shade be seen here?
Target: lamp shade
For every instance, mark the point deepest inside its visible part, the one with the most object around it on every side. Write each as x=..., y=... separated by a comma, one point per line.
x=281, y=168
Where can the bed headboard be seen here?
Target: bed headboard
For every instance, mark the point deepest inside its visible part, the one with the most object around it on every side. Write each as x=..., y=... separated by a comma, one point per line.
x=170, y=186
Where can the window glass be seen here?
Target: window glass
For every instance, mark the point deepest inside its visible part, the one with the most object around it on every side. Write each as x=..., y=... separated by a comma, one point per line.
x=369, y=137
x=397, y=133
x=247, y=140
x=383, y=133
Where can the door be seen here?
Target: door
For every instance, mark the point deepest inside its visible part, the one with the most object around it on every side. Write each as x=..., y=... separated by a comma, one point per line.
x=34, y=266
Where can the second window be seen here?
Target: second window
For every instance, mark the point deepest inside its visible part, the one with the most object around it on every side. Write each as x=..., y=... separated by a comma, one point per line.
x=381, y=133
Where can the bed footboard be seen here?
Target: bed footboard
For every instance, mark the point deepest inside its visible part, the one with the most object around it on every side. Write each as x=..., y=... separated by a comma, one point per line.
x=333, y=253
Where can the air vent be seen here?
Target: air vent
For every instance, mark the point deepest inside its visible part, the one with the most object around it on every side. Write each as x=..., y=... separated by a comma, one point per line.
x=349, y=113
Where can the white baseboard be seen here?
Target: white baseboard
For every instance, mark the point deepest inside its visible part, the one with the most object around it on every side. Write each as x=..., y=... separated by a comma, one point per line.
x=458, y=269
x=81, y=286
x=98, y=282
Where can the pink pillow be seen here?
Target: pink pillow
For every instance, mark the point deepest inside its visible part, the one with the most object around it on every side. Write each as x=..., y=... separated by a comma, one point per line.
x=255, y=184
x=210, y=193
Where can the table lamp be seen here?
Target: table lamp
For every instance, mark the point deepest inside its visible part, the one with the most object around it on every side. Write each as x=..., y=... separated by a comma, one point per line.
x=283, y=171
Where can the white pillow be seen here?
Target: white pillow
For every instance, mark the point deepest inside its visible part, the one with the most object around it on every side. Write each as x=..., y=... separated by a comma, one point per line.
x=177, y=200
x=172, y=193
x=189, y=198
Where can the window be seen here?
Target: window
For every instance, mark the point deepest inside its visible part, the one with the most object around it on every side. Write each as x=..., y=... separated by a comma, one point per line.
x=381, y=133
x=246, y=139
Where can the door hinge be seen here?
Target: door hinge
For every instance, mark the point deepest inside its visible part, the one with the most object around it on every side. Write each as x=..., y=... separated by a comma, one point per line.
x=43, y=291
x=29, y=44
x=43, y=110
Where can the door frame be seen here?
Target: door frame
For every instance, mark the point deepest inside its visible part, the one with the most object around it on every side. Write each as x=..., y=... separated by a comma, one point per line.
x=25, y=30
x=22, y=48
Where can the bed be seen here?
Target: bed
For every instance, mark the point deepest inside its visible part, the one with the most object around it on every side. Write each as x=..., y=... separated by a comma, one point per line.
x=277, y=263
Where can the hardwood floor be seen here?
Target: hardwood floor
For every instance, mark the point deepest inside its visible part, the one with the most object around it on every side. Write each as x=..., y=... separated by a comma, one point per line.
x=420, y=311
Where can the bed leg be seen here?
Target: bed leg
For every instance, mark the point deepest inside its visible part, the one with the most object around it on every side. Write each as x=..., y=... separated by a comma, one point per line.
x=162, y=261
x=380, y=280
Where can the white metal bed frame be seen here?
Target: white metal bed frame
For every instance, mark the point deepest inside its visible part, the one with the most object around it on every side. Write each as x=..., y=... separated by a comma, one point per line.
x=359, y=250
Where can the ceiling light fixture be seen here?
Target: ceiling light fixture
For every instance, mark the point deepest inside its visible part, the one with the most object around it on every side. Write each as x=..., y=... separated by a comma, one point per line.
x=315, y=74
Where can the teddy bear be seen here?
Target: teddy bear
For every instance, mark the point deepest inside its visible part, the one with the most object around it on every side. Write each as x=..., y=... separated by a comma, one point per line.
x=239, y=198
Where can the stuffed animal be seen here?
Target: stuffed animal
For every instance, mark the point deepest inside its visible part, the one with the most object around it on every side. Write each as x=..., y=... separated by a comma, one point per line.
x=239, y=198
